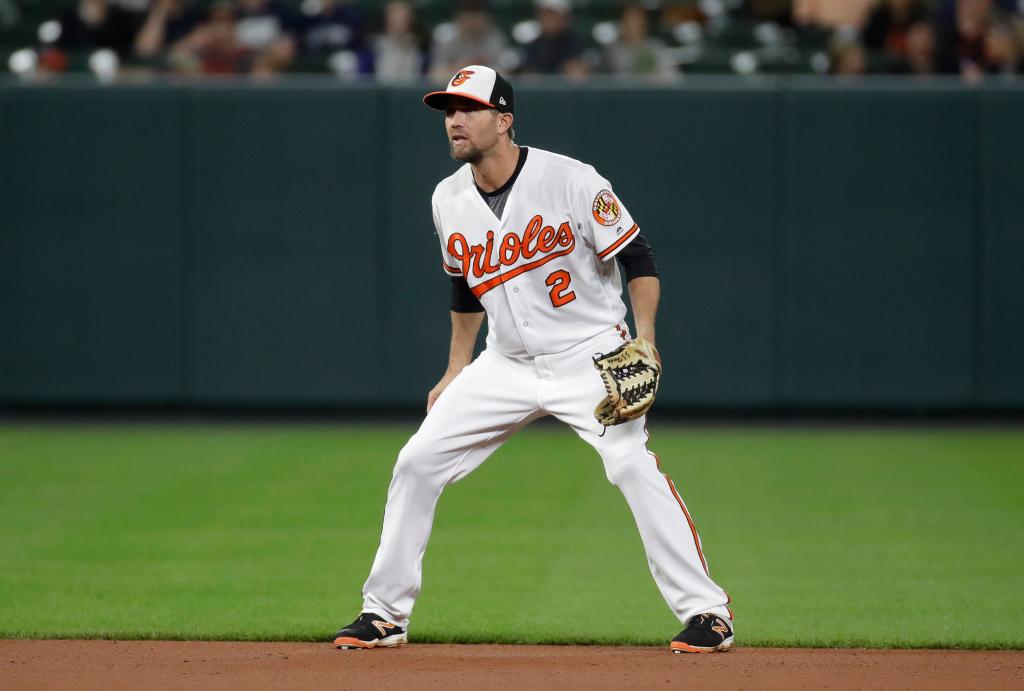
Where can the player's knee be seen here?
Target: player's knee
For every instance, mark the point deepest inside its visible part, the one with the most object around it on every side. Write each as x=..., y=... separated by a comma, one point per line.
x=413, y=461
x=622, y=458
x=622, y=469
x=418, y=463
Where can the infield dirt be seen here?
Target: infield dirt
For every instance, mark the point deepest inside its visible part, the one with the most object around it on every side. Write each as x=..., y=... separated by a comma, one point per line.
x=114, y=665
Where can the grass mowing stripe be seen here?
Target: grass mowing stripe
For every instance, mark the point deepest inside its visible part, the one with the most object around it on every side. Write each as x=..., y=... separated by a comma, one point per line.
x=907, y=538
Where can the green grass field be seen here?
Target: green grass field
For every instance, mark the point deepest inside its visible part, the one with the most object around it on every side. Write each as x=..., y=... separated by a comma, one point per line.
x=823, y=537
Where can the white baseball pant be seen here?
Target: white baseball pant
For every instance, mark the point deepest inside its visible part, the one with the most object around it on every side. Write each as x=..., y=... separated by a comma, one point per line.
x=490, y=400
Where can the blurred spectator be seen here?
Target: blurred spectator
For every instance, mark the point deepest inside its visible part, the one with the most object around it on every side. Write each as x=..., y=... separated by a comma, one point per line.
x=168, y=22
x=213, y=46
x=558, y=49
x=847, y=56
x=900, y=30
x=138, y=7
x=336, y=26
x=831, y=13
x=888, y=24
x=680, y=13
x=265, y=29
x=946, y=9
x=976, y=42
x=1017, y=23
x=636, y=52
x=9, y=14
x=96, y=24
x=777, y=11
x=474, y=41
x=253, y=37
x=919, y=57
x=399, y=53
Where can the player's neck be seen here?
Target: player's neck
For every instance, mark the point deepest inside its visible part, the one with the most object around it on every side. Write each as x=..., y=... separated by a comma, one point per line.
x=496, y=167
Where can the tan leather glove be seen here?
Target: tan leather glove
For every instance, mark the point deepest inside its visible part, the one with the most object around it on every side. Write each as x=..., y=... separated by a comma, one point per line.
x=631, y=374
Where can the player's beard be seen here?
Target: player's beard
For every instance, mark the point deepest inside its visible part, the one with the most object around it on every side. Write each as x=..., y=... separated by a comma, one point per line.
x=468, y=154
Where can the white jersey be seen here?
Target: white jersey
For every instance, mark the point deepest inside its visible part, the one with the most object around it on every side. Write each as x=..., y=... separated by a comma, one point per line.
x=544, y=271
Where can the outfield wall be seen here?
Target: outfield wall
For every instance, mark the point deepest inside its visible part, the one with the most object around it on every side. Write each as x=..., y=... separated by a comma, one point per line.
x=820, y=245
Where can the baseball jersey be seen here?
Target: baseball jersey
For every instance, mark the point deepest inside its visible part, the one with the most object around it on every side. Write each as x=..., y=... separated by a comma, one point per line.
x=543, y=271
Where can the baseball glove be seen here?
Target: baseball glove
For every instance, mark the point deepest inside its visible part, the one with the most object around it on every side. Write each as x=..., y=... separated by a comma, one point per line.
x=631, y=374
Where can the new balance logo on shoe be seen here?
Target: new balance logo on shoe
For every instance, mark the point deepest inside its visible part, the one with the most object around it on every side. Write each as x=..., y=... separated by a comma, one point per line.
x=382, y=626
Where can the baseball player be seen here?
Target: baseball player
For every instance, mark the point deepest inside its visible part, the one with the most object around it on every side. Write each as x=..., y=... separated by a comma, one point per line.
x=531, y=239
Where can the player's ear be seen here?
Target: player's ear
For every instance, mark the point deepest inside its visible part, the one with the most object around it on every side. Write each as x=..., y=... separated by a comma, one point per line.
x=505, y=123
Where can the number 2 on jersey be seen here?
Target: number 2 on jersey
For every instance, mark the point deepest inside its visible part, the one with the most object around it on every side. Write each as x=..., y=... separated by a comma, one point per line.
x=560, y=293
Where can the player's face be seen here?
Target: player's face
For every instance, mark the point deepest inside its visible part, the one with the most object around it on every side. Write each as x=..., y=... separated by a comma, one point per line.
x=472, y=129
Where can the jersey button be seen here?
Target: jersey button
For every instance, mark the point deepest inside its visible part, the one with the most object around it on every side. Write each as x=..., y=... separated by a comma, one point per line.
x=526, y=323
x=515, y=290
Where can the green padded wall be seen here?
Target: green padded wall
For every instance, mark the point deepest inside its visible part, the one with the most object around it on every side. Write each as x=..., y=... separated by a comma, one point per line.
x=879, y=222
x=271, y=245
x=91, y=291
x=284, y=244
x=1001, y=243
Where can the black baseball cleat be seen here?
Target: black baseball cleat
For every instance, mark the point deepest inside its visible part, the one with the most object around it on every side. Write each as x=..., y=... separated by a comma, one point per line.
x=704, y=633
x=370, y=631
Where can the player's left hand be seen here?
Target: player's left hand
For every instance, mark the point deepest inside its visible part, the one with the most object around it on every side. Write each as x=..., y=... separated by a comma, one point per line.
x=631, y=376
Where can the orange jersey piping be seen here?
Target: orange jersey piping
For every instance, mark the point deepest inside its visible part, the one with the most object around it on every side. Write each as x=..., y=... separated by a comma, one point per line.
x=618, y=243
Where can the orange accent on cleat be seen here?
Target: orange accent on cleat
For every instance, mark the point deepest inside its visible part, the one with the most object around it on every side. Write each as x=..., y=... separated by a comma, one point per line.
x=346, y=642
x=680, y=647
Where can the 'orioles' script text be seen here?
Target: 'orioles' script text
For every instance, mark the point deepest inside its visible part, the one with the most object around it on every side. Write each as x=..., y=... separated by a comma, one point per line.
x=537, y=238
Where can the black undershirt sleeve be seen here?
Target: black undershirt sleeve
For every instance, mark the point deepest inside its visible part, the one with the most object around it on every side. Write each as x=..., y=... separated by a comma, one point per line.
x=637, y=259
x=462, y=298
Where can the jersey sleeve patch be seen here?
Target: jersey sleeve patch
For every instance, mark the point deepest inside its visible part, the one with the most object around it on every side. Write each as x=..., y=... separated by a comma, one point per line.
x=606, y=208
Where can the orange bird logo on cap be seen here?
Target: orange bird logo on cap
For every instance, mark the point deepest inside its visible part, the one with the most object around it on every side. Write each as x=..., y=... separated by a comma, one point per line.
x=462, y=77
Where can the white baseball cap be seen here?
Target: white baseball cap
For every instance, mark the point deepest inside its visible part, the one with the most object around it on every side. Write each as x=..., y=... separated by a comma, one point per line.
x=477, y=83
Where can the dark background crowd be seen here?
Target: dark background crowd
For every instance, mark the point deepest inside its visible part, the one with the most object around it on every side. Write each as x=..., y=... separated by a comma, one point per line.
x=405, y=40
